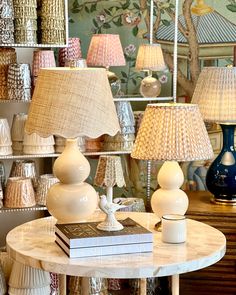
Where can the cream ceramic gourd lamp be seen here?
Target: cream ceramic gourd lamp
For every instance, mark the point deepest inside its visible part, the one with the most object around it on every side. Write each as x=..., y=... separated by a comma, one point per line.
x=72, y=102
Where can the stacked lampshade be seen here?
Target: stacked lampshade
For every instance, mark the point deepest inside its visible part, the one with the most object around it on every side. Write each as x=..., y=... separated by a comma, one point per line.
x=7, y=56
x=27, y=280
x=25, y=13
x=6, y=22
x=17, y=132
x=19, y=82
x=35, y=144
x=70, y=53
x=124, y=139
x=5, y=138
x=52, y=16
x=60, y=143
x=42, y=59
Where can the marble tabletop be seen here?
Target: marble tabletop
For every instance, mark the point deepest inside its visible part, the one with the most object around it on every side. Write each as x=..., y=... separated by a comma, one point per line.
x=33, y=244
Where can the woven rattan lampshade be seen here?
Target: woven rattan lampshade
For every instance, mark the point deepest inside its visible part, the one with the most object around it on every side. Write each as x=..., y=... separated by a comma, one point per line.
x=105, y=50
x=172, y=132
x=215, y=93
x=150, y=57
x=72, y=102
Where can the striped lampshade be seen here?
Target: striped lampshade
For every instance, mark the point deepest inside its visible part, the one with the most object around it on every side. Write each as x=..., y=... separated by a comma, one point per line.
x=215, y=93
x=150, y=57
x=172, y=131
x=105, y=50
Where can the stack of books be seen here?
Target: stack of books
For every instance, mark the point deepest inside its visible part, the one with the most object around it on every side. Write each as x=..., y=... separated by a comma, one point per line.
x=85, y=240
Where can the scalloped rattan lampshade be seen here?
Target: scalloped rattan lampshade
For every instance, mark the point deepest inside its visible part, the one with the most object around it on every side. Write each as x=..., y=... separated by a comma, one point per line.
x=105, y=50
x=215, y=93
x=150, y=57
x=72, y=102
x=172, y=132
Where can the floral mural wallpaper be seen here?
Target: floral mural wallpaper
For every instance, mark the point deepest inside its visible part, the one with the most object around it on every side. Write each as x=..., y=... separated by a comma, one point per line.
x=206, y=36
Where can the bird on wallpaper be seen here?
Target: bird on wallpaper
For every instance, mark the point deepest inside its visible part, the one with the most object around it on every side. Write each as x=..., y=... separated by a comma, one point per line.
x=109, y=208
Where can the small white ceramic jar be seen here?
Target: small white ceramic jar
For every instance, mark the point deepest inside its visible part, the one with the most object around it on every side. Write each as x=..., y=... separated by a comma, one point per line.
x=174, y=228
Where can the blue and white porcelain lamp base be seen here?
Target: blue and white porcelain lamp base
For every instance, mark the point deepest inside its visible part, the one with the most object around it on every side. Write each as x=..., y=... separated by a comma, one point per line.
x=221, y=175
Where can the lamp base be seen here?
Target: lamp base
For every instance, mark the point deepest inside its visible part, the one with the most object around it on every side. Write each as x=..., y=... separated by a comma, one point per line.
x=150, y=87
x=224, y=202
x=71, y=200
x=169, y=199
x=221, y=175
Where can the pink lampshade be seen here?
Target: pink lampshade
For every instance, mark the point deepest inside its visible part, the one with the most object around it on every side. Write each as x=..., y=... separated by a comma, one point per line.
x=72, y=52
x=105, y=50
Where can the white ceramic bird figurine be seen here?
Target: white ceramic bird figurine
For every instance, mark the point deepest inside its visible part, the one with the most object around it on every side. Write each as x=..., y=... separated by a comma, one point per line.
x=110, y=223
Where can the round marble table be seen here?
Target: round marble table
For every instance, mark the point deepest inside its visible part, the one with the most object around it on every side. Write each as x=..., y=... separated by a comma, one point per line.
x=33, y=244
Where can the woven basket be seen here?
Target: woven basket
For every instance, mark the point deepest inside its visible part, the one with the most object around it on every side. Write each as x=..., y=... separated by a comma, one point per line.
x=25, y=24
x=53, y=37
x=26, y=37
x=25, y=12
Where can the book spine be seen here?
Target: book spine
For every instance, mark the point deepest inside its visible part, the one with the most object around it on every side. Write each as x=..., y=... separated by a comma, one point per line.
x=105, y=250
x=109, y=240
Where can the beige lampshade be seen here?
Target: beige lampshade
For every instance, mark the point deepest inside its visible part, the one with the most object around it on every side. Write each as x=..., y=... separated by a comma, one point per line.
x=172, y=132
x=215, y=93
x=150, y=57
x=71, y=102
x=109, y=172
x=105, y=50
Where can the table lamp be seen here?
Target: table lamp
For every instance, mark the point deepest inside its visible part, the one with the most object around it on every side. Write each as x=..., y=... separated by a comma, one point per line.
x=171, y=132
x=105, y=50
x=72, y=102
x=150, y=58
x=215, y=93
x=108, y=174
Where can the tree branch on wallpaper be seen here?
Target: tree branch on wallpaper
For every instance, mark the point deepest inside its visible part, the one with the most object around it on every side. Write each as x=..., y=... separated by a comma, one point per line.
x=108, y=15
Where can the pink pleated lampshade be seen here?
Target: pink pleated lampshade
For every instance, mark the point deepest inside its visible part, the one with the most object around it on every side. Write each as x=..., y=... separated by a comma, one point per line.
x=105, y=50
x=72, y=52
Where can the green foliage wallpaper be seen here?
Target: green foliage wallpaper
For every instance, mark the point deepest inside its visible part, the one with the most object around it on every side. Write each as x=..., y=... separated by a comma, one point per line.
x=131, y=20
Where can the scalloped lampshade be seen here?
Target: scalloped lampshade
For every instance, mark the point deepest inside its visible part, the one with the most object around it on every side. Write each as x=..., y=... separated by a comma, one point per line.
x=72, y=102
x=215, y=93
x=171, y=132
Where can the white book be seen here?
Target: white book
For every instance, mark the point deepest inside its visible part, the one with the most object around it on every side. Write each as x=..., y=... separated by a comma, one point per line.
x=104, y=250
x=85, y=234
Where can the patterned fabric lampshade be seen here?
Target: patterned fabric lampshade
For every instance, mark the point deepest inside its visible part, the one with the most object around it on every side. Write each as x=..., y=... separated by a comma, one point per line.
x=215, y=93
x=72, y=102
x=150, y=57
x=109, y=172
x=171, y=132
x=105, y=50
